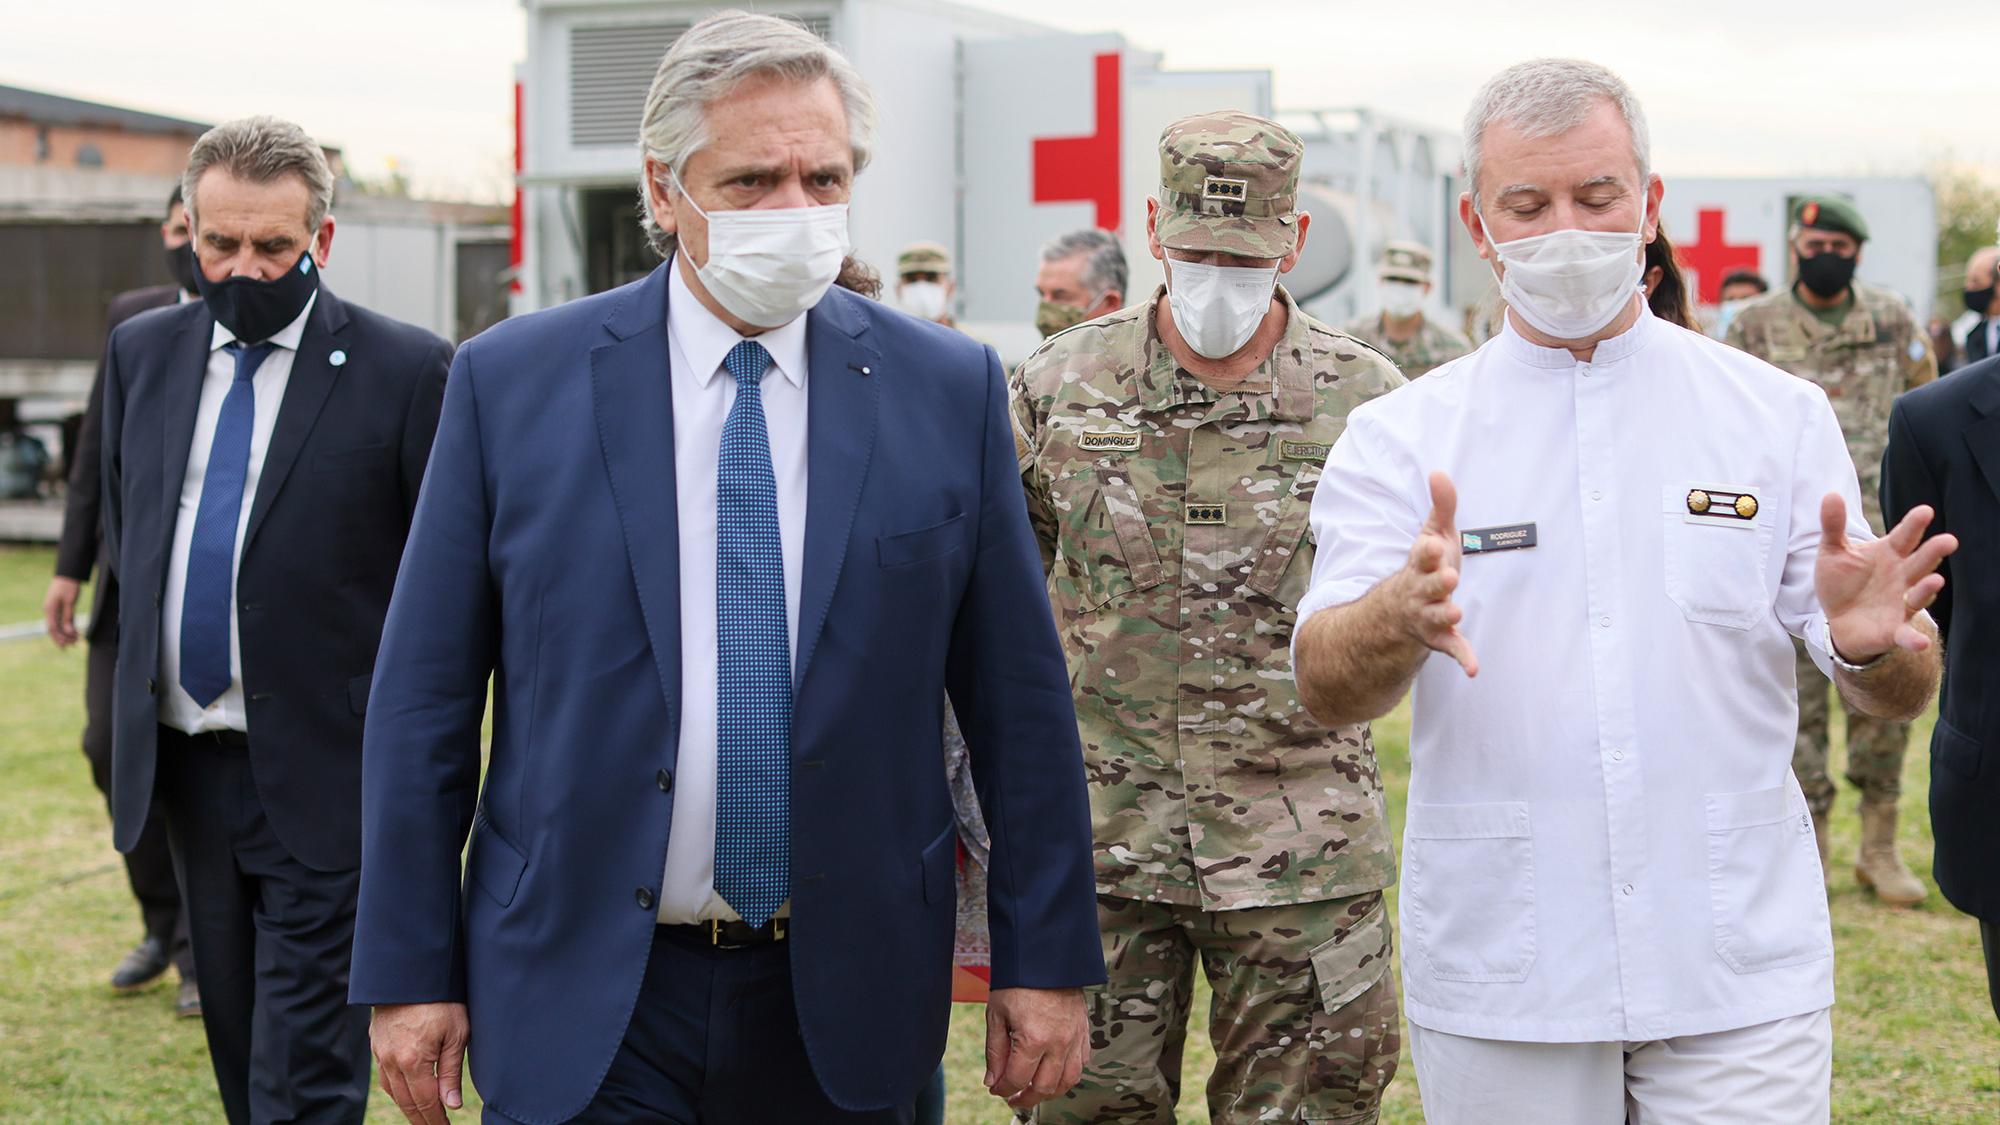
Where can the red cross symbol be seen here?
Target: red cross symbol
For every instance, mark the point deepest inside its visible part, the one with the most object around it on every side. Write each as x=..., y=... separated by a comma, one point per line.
x=1085, y=169
x=1711, y=258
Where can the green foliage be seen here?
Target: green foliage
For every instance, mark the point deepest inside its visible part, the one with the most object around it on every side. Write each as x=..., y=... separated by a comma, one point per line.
x=1968, y=207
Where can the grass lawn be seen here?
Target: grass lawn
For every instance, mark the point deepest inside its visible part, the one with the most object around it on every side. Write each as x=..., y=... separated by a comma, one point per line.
x=1914, y=1038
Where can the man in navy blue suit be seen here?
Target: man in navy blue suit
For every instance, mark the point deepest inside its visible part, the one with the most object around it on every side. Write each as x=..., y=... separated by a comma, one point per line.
x=723, y=540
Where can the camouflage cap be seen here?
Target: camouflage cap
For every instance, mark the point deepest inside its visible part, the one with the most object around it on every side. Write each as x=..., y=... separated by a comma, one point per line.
x=923, y=257
x=1406, y=261
x=1827, y=212
x=1229, y=182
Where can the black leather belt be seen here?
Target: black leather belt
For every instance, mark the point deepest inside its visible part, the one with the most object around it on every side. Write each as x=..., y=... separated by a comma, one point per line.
x=734, y=934
x=221, y=739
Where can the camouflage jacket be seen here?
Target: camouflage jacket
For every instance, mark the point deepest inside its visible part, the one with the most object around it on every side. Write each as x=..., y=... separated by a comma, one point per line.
x=1877, y=352
x=1172, y=518
x=1433, y=344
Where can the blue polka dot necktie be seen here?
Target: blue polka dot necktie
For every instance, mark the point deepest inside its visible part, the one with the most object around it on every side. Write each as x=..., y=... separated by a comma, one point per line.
x=753, y=831
x=211, y=565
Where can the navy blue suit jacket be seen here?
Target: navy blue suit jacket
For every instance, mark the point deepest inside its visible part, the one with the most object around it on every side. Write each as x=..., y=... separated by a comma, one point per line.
x=333, y=504
x=1944, y=450
x=545, y=553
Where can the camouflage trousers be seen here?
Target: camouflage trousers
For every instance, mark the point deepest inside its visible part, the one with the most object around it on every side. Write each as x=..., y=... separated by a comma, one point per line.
x=1874, y=746
x=1303, y=1020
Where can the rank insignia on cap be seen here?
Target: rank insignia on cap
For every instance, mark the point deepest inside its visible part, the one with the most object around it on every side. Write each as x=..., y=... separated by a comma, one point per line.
x=1809, y=214
x=1108, y=441
x=1226, y=189
x=1302, y=450
x=1719, y=505
x=1208, y=513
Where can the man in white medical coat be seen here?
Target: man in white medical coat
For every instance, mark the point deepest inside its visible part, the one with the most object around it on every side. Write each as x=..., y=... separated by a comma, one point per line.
x=1612, y=527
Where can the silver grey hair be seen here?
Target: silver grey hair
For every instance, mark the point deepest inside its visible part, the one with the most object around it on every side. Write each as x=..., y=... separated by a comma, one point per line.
x=1546, y=97
x=262, y=150
x=1104, y=269
x=708, y=61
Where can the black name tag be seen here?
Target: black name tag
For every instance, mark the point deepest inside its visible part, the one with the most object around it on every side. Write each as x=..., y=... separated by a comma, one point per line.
x=1486, y=540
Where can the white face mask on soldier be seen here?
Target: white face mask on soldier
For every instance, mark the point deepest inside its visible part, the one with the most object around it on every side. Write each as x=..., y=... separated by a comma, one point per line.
x=768, y=265
x=1402, y=298
x=1218, y=308
x=924, y=300
x=1570, y=283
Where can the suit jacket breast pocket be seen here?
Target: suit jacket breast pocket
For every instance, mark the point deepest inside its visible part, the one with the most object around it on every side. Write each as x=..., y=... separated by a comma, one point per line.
x=352, y=458
x=907, y=548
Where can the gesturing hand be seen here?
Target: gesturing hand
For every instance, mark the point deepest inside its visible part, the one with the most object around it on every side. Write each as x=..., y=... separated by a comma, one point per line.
x=1037, y=1040
x=1428, y=579
x=418, y=1052
x=1871, y=590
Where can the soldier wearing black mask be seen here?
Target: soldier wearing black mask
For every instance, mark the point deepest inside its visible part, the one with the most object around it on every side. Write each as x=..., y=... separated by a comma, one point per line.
x=1981, y=271
x=1863, y=346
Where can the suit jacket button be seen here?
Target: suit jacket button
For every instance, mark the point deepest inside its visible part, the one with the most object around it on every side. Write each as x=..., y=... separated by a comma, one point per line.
x=644, y=898
x=666, y=779
x=152, y=686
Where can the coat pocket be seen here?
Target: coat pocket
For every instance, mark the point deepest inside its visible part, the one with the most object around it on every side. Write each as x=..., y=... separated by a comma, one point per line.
x=1764, y=884
x=940, y=867
x=1714, y=567
x=1956, y=751
x=1104, y=539
x=1348, y=965
x=1470, y=890
x=494, y=864
x=909, y=547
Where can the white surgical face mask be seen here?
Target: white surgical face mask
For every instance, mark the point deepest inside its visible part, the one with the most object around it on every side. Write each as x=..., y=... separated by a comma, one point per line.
x=1570, y=283
x=768, y=265
x=1724, y=313
x=1402, y=298
x=922, y=299
x=1218, y=308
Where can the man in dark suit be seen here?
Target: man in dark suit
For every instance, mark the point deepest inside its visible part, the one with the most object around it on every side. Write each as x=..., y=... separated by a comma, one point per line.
x=1944, y=451
x=722, y=539
x=148, y=866
x=263, y=450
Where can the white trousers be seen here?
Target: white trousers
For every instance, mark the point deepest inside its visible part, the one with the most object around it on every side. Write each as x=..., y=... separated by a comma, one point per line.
x=1777, y=1073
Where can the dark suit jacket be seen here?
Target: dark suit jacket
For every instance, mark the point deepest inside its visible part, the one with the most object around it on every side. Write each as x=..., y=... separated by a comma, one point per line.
x=82, y=545
x=1975, y=342
x=1944, y=450
x=545, y=557
x=318, y=561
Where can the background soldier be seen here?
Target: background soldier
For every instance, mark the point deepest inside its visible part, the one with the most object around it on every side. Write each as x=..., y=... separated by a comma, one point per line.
x=1863, y=346
x=1169, y=452
x=1401, y=331
x=924, y=284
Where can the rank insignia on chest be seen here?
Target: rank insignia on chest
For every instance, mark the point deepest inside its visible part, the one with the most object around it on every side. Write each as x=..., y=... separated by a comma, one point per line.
x=1302, y=450
x=1108, y=441
x=1485, y=540
x=1208, y=513
x=1720, y=505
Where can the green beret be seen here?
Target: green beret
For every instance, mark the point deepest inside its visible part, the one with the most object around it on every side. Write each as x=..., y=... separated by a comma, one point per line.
x=1826, y=212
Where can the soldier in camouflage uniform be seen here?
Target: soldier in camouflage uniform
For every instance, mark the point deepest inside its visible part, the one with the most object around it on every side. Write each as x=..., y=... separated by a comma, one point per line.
x=1170, y=493
x=1863, y=346
x=1400, y=330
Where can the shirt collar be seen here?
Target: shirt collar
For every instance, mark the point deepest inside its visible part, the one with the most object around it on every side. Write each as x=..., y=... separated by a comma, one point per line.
x=705, y=340
x=287, y=338
x=1621, y=346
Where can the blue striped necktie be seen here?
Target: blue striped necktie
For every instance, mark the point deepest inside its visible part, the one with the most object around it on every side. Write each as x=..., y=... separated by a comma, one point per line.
x=211, y=565
x=753, y=829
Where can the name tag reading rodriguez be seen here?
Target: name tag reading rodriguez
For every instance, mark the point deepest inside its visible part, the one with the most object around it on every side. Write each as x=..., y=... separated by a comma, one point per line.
x=1108, y=441
x=1486, y=540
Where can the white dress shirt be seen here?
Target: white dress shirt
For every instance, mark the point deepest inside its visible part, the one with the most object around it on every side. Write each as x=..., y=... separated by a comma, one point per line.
x=703, y=392
x=1604, y=838
x=177, y=708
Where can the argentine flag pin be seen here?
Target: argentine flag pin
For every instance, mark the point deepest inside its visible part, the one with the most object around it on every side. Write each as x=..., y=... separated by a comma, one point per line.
x=338, y=358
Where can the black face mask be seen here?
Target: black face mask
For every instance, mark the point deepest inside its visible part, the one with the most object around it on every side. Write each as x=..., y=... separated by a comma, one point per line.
x=1826, y=274
x=180, y=266
x=1979, y=301
x=258, y=310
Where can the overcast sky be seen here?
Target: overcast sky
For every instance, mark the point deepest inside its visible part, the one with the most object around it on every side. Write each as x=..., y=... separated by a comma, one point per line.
x=1742, y=88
